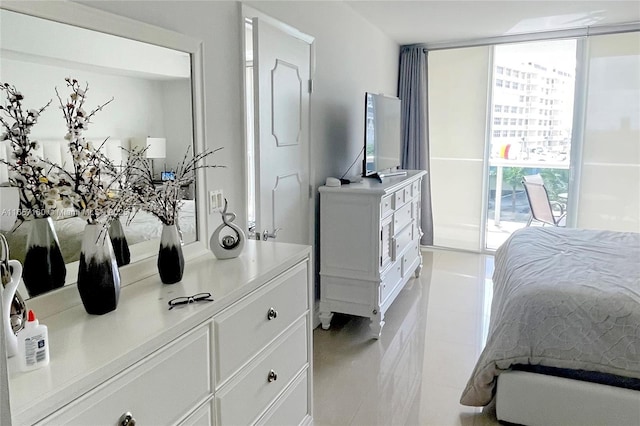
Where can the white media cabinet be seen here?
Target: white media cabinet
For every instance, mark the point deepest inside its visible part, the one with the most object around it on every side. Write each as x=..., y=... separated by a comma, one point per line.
x=369, y=245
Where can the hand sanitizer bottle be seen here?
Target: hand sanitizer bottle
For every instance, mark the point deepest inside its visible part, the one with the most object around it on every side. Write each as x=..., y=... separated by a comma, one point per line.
x=33, y=345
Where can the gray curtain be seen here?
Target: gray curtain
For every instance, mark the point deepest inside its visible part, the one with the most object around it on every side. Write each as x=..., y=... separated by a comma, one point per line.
x=412, y=90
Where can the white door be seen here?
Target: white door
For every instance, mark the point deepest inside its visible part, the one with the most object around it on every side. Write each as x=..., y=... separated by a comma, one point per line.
x=281, y=133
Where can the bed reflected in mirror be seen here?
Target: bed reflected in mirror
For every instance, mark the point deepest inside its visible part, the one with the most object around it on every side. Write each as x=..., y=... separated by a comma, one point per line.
x=151, y=87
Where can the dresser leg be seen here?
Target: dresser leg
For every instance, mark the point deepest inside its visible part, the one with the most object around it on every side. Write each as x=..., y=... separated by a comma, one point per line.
x=418, y=271
x=376, y=324
x=325, y=319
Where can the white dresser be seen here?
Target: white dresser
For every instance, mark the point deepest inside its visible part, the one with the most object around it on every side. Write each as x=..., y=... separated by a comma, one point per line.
x=369, y=245
x=243, y=359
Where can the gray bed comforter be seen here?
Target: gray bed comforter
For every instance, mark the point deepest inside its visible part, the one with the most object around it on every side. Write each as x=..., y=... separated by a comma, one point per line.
x=565, y=298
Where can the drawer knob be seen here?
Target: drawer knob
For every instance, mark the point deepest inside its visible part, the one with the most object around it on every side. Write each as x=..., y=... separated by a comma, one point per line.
x=272, y=377
x=127, y=420
x=272, y=314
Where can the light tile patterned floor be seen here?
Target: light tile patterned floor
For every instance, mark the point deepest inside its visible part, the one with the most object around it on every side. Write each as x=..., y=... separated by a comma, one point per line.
x=415, y=373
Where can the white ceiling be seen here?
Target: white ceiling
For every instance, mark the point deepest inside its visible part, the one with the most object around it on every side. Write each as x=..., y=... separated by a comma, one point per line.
x=409, y=22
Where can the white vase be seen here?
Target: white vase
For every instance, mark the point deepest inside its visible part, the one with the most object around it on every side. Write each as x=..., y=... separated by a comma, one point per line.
x=98, y=274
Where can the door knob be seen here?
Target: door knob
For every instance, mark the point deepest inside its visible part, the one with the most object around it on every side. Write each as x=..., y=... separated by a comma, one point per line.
x=127, y=420
x=266, y=234
x=272, y=314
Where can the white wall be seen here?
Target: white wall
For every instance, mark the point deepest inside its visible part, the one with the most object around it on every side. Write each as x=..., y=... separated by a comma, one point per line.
x=176, y=100
x=352, y=57
x=136, y=111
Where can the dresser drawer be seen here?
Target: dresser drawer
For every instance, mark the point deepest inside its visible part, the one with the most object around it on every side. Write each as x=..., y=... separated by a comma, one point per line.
x=253, y=322
x=292, y=408
x=402, y=216
x=241, y=401
x=159, y=389
x=403, y=239
x=386, y=205
x=407, y=193
x=409, y=257
x=398, y=197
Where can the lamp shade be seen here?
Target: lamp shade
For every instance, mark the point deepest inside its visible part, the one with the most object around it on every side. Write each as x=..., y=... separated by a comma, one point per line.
x=9, y=203
x=155, y=147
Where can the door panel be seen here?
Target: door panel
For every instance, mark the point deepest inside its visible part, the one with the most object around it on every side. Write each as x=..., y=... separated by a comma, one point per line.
x=287, y=196
x=286, y=103
x=281, y=102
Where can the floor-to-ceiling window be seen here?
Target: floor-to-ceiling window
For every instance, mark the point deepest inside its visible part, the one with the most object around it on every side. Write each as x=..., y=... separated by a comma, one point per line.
x=500, y=112
x=458, y=85
x=530, y=131
x=609, y=195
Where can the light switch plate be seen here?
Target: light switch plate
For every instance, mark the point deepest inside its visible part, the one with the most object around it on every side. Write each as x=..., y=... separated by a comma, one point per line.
x=216, y=200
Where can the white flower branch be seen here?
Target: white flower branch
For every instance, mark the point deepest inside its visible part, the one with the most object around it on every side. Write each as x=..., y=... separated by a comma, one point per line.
x=36, y=183
x=164, y=200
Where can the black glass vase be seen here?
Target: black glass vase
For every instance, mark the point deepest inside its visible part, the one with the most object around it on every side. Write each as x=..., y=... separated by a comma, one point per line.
x=44, y=268
x=98, y=274
x=170, y=258
x=119, y=243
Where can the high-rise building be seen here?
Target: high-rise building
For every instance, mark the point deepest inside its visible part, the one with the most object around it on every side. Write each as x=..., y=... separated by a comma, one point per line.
x=532, y=109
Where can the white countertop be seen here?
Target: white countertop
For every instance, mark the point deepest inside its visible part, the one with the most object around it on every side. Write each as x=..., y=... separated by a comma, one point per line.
x=87, y=349
x=371, y=185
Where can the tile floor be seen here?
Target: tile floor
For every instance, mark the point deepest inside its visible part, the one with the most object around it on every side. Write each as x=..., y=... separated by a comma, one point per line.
x=415, y=373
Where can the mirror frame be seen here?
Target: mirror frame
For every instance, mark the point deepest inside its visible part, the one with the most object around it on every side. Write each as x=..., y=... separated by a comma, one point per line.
x=82, y=16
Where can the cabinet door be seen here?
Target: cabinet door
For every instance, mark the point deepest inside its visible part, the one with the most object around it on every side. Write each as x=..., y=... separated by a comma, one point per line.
x=386, y=241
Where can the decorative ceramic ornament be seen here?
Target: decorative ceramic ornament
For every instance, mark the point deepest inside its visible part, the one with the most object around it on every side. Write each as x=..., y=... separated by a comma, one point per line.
x=225, y=245
x=8, y=294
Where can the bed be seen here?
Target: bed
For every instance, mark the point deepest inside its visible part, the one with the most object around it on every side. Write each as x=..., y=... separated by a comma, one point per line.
x=566, y=310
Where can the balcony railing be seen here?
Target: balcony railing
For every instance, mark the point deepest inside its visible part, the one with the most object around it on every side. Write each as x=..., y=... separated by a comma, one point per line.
x=500, y=164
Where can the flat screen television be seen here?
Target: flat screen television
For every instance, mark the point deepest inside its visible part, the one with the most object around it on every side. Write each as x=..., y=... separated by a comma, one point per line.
x=382, y=134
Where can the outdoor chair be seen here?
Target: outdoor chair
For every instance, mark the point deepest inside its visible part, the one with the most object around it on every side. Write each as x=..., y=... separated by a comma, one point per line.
x=537, y=178
x=542, y=209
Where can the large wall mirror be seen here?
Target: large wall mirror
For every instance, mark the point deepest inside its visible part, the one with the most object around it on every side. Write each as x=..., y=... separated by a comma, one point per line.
x=153, y=88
